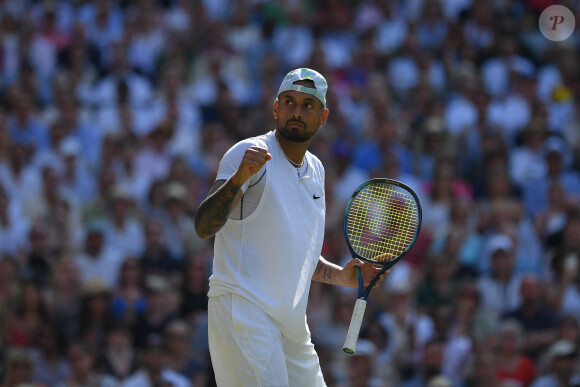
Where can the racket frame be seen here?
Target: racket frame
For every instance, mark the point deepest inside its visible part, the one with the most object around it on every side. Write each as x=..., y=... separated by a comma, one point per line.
x=363, y=293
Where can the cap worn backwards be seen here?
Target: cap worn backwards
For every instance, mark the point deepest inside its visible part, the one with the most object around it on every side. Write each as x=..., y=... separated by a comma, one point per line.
x=320, y=85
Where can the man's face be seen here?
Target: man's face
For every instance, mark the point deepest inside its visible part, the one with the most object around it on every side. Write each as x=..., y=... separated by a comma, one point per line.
x=95, y=242
x=502, y=262
x=299, y=115
x=154, y=359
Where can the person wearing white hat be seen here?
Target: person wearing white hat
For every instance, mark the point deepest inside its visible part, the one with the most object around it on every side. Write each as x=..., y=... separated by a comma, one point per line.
x=563, y=359
x=267, y=212
x=500, y=289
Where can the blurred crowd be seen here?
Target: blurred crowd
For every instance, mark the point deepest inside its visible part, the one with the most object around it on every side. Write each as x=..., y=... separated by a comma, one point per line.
x=114, y=115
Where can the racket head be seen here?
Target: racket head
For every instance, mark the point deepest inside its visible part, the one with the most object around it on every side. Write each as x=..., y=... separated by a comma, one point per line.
x=382, y=216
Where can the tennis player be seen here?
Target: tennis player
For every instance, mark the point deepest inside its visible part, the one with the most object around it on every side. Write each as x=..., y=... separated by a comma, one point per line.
x=267, y=212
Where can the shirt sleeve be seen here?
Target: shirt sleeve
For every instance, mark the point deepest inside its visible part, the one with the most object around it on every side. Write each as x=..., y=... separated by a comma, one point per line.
x=231, y=161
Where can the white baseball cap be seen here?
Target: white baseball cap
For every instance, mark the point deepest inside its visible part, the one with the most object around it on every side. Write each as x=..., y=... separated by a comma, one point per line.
x=320, y=84
x=500, y=242
x=562, y=348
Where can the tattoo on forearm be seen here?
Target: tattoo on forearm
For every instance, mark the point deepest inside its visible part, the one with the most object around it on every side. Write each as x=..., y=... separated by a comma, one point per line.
x=213, y=212
x=323, y=273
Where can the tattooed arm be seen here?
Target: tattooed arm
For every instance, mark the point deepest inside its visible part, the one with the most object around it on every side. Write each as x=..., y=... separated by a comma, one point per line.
x=326, y=272
x=213, y=212
x=332, y=274
x=215, y=209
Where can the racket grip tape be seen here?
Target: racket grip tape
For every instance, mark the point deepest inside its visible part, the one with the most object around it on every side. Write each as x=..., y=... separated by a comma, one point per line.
x=354, y=328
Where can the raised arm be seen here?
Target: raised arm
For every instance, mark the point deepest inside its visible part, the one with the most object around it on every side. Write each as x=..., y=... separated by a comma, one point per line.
x=213, y=212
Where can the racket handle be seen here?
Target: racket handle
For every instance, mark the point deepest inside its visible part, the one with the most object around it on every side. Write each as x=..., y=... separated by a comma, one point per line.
x=354, y=328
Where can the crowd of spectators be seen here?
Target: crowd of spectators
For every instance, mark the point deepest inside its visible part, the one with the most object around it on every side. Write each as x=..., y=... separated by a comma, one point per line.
x=114, y=115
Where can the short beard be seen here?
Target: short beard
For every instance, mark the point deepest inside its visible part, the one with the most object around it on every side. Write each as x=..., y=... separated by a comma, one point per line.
x=293, y=134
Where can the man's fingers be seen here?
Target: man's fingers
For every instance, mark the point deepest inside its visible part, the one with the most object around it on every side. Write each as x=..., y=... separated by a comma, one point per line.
x=256, y=156
x=257, y=150
x=261, y=153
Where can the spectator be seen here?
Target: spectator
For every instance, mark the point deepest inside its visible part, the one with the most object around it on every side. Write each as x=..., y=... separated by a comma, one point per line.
x=384, y=365
x=122, y=231
x=497, y=71
x=156, y=257
x=134, y=183
x=458, y=347
x=154, y=371
x=64, y=296
x=563, y=356
x=500, y=289
x=17, y=369
x=49, y=364
x=567, y=240
x=483, y=372
x=178, y=224
x=444, y=188
x=95, y=316
x=128, y=298
x=38, y=260
x=533, y=314
x=514, y=366
x=430, y=365
x=298, y=30
x=568, y=328
x=65, y=235
x=82, y=359
x=471, y=320
x=153, y=160
x=98, y=261
x=526, y=162
x=118, y=357
x=13, y=228
x=438, y=287
x=558, y=159
x=409, y=328
x=506, y=216
x=25, y=127
x=460, y=240
x=180, y=355
x=78, y=183
x=362, y=366
x=106, y=180
x=24, y=323
x=20, y=180
x=9, y=284
x=551, y=220
x=564, y=292
x=194, y=287
x=158, y=312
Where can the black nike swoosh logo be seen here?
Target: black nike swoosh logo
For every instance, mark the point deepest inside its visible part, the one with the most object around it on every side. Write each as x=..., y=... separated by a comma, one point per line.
x=315, y=197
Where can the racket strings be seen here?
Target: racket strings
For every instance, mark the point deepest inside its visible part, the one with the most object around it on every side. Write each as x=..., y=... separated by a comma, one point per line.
x=382, y=218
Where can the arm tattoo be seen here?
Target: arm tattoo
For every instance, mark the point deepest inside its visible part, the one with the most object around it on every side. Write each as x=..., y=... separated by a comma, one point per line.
x=213, y=212
x=323, y=273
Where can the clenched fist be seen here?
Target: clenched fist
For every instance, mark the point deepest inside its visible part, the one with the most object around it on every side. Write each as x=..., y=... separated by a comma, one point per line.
x=254, y=159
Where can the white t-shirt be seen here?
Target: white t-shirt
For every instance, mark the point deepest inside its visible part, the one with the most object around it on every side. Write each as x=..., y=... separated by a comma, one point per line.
x=105, y=268
x=269, y=256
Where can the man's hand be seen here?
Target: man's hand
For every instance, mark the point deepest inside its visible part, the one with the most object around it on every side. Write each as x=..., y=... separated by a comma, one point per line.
x=213, y=212
x=254, y=159
x=368, y=271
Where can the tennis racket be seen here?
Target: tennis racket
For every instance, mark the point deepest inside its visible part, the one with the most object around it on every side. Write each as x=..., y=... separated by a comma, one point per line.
x=382, y=219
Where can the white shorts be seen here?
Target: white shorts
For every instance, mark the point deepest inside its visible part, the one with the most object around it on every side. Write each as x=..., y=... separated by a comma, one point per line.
x=247, y=348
